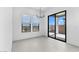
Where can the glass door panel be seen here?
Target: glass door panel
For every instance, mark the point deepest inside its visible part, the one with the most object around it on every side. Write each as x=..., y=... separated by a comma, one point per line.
x=60, y=26
x=51, y=26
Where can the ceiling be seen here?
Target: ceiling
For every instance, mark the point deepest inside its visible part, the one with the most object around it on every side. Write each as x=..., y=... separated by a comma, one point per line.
x=44, y=9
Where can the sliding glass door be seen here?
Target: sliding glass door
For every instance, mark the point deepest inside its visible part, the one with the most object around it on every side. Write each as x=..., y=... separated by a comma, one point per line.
x=57, y=26
x=60, y=26
x=51, y=26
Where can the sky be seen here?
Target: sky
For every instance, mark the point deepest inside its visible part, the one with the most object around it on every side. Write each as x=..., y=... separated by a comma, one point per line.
x=26, y=20
x=52, y=20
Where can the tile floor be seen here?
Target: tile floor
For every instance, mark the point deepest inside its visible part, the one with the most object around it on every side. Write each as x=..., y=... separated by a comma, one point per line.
x=42, y=44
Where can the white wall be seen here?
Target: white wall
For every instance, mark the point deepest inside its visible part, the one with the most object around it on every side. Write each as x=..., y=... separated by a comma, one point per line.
x=5, y=29
x=18, y=12
x=72, y=23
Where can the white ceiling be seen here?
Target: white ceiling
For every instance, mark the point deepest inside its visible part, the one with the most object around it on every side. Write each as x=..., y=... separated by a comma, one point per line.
x=44, y=9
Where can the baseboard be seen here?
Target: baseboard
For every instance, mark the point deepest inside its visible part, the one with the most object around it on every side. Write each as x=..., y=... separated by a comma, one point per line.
x=29, y=38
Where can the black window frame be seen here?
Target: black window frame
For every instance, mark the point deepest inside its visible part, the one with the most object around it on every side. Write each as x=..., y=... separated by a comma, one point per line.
x=55, y=26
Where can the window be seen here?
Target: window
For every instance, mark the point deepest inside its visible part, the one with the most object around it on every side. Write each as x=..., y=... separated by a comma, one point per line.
x=26, y=24
x=30, y=23
x=35, y=24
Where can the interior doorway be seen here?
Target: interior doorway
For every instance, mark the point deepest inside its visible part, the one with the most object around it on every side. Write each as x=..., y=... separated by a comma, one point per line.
x=57, y=26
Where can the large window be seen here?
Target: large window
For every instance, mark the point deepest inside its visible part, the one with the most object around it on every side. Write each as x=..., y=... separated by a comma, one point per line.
x=26, y=24
x=30, y=23
x=35, y=24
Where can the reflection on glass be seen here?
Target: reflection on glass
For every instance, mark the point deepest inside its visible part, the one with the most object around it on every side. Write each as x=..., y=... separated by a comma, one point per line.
x=26, y=24
x=35, y=24
x=52, y=26
x=60, y=26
